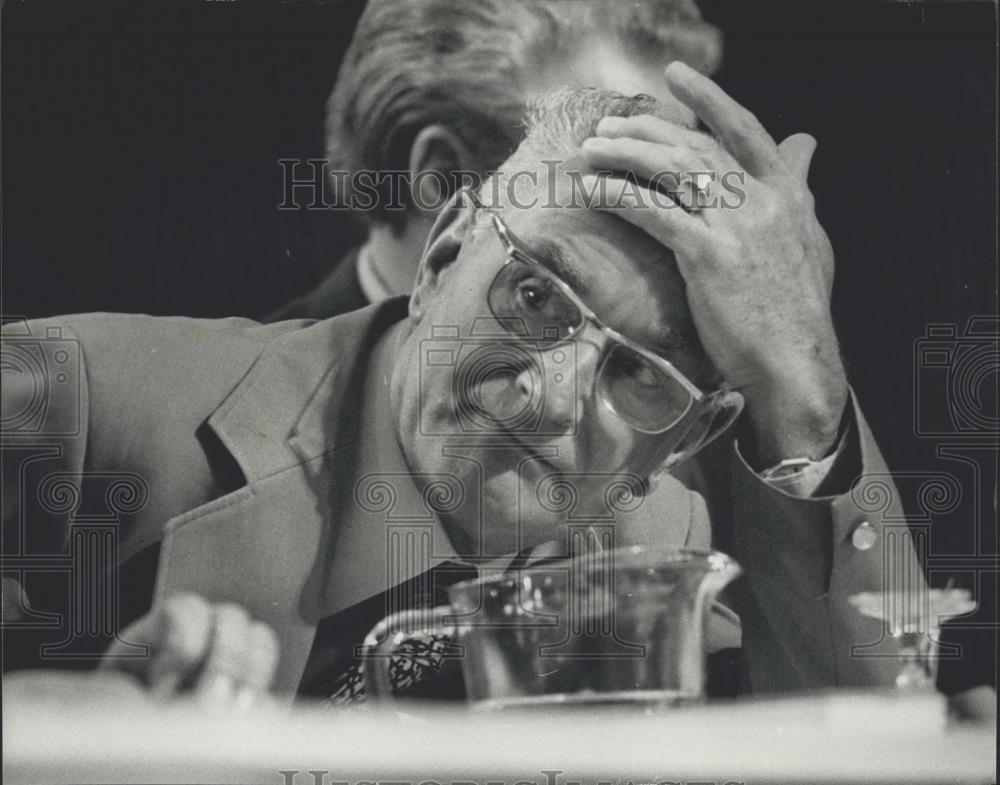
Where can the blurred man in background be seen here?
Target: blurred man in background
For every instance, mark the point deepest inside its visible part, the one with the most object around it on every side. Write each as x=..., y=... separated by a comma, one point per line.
x=440, y=86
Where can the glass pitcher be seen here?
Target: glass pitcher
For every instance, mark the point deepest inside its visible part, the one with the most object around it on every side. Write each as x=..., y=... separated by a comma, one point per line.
x=616, y=626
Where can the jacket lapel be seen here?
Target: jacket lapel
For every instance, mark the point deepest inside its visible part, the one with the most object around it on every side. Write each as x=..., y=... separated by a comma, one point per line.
x=252, y=548
x=266, y=545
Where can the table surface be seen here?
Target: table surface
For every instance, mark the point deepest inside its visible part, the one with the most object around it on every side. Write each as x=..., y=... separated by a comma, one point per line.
x=99, y=729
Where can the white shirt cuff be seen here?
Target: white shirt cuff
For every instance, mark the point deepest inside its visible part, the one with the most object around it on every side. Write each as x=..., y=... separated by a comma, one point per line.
x=804, y=483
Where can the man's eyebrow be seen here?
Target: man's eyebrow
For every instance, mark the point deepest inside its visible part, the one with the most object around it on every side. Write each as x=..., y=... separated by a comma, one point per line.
x=554, y=257
x=669, y=343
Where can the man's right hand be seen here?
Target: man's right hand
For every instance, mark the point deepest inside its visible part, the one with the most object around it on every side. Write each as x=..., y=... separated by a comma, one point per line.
x=216, y=652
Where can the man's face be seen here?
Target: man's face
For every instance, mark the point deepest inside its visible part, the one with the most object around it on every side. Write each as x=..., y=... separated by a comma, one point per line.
x=520, y=425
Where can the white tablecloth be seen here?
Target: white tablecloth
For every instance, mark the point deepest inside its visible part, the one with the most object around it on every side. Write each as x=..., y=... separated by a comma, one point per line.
x=92, y=730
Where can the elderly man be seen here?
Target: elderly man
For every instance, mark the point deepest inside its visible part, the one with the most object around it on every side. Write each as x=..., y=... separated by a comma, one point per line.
x=277, y=462
x=431, y=89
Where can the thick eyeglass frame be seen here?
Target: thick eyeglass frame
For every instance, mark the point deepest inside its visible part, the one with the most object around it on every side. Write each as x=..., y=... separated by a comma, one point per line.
x=699, y=403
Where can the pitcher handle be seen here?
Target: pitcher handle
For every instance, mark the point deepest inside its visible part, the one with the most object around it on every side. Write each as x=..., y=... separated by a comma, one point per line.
x=385, y=637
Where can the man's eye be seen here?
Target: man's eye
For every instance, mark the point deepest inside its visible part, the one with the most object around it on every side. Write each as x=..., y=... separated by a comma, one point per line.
x=645, y=377
x=533, y=293
x=639, y=372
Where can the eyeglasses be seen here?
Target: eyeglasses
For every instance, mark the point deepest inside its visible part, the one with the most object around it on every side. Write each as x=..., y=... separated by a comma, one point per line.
x=645, y=390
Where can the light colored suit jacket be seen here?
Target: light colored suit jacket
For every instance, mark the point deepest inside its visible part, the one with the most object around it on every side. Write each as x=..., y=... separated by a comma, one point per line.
x=237, y=440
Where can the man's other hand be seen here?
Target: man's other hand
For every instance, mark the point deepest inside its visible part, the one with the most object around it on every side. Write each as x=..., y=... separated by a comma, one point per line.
x=215, y=652
x=758, y=267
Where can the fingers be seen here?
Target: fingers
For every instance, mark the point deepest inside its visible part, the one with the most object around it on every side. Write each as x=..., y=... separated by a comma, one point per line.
x=176, y=636
x=227, y=657
x=184, y=636
x=218, y=651
x=145, y=632
x=262, y=658
x=659, y=164
x=654, y=129
x=241, y=661
x=655, y=213
x=797, y=152
x=740, y=131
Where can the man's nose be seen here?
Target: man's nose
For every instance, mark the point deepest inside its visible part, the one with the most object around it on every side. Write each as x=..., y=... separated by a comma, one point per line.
x=559, y=381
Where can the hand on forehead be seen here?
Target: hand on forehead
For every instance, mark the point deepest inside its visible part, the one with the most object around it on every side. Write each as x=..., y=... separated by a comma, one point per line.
x=627, y=278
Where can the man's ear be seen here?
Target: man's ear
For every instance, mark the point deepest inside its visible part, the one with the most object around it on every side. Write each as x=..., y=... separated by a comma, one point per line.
x=436, y=153
x=444, y=242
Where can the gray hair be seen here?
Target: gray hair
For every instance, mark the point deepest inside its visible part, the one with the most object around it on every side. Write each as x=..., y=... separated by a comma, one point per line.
x=556, y=124
x=462, y=63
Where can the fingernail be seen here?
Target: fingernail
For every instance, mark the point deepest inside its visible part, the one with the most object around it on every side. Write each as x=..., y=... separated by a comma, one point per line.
x=681, y=69
x=592, y=143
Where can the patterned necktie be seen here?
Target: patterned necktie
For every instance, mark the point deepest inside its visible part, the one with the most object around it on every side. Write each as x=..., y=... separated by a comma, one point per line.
x=418, y=667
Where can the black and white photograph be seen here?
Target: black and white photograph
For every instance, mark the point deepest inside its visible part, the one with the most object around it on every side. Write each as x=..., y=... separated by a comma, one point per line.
x=499, y=392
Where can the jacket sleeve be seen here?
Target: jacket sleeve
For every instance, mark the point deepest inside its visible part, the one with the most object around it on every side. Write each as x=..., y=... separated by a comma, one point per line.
x=43, y=439
x=805, y=557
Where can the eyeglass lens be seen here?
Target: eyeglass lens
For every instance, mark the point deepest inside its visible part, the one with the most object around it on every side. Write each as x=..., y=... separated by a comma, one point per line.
x=532, y=305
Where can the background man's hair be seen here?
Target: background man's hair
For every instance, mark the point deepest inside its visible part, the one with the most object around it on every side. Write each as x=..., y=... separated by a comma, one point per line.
x=464, y=63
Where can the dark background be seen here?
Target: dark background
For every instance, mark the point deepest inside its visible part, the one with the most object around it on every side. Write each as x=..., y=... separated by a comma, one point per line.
x=140, y=143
